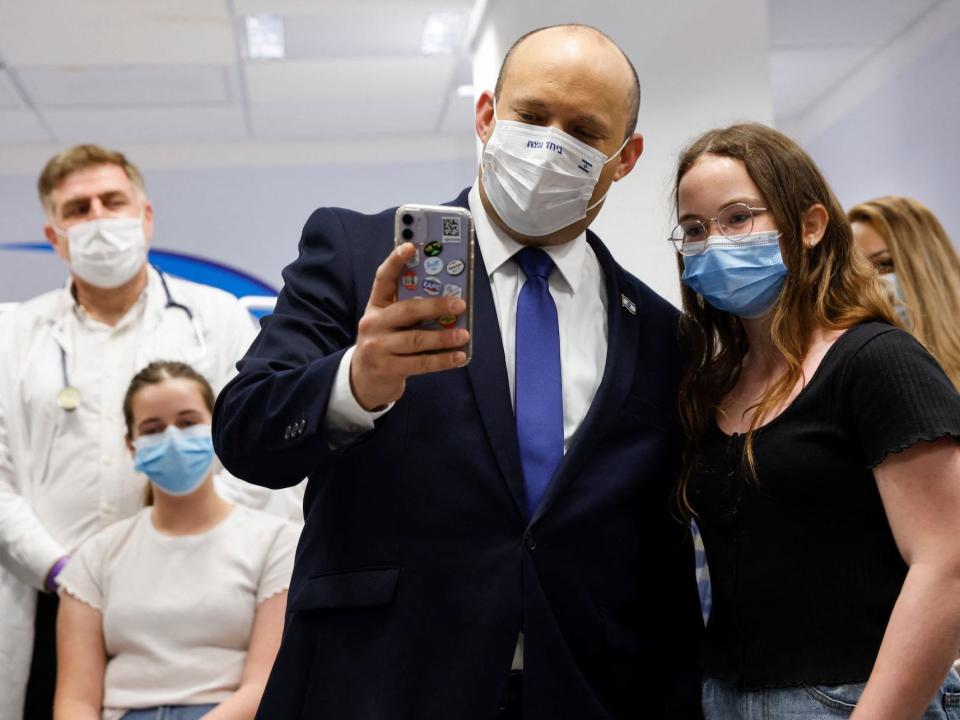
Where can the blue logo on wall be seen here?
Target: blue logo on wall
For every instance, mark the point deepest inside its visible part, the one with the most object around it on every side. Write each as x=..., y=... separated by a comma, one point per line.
x=188, y=267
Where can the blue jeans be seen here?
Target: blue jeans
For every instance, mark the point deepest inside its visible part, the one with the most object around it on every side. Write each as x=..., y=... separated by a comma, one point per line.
x=810, y=702
x=170, y=712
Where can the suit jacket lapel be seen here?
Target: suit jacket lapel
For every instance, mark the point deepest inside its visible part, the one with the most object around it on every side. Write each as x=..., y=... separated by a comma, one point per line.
x=488, y=376
x=623, y=330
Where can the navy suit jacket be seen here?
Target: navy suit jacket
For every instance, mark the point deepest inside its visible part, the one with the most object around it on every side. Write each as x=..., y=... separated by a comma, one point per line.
x=417, y=568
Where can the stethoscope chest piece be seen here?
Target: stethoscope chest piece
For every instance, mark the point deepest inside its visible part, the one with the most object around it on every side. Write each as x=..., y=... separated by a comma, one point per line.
x=68, y=398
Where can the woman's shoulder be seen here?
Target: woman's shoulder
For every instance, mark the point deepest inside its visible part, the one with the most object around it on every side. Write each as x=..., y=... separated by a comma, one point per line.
x=116, y=534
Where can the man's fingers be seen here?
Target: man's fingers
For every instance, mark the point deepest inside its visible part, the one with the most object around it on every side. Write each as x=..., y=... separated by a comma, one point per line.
x=384, y=290
x=434, y=362
x=408, y=313
x=409, y=342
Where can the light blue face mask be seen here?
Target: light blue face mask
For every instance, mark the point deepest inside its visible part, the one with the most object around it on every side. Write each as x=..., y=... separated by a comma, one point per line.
x=742, y=278
x=176, y=461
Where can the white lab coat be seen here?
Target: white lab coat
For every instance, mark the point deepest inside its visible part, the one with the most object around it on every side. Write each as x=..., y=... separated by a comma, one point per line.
x=30, y=373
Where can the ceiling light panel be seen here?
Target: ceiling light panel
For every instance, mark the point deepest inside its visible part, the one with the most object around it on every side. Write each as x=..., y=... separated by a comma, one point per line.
x=443, y=32
x=265, y=36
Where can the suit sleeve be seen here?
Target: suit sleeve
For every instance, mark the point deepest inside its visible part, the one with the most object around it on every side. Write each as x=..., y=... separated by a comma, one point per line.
x=269, y=422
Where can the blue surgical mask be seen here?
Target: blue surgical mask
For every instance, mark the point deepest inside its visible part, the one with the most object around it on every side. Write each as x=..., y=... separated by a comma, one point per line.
x=896, y=293
x=742, y=278
x=176, y=461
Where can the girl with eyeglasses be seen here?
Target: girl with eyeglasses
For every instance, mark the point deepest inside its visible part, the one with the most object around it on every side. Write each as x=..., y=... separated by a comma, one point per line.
x=174, y=613
x=821, y=462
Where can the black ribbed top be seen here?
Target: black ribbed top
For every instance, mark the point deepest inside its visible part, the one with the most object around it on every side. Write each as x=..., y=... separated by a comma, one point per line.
x=803, y=565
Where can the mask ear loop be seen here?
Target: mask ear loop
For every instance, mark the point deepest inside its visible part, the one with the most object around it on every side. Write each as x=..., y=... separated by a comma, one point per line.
x=615, y=155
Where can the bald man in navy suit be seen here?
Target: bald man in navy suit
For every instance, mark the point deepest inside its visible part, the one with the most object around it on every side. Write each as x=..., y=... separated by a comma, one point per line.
x=488, y=540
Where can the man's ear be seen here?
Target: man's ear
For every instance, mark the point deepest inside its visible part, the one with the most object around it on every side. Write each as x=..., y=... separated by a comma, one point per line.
x=484, y=115
x=815, y=221
x=60, y=244
x=148, y=221
x=629, y=155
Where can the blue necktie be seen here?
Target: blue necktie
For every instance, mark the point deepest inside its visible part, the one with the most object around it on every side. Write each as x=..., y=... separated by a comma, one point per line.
x=539, y=393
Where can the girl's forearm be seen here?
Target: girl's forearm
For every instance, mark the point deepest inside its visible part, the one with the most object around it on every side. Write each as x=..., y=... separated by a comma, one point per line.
x=919, y=646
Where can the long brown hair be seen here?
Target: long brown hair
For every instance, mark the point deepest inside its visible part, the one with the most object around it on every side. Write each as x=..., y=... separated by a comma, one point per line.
x=828, y=286
x=154, y=374
x=928, y=271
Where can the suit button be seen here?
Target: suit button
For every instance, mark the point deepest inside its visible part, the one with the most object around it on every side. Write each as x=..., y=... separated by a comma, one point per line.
x=529, y=541
x=286, y=433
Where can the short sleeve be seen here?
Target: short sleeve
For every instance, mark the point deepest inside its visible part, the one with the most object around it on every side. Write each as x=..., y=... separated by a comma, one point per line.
x=83, y=576
x=278, y=565
x=898, y=395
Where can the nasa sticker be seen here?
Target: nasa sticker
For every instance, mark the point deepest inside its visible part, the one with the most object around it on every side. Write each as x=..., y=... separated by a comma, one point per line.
x=432, y=249
x=451, y=290
x=455, y=267
x=431, y=286
x=432, y=265
x=409, y=280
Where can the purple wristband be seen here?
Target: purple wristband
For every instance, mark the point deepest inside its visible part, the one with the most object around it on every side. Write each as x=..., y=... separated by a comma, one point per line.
x=51, y=582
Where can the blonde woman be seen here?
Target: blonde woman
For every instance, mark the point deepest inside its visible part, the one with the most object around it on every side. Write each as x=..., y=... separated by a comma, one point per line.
x=912, y=252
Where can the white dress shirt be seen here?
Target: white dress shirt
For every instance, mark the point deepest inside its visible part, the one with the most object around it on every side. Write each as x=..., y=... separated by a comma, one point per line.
x=579, y=291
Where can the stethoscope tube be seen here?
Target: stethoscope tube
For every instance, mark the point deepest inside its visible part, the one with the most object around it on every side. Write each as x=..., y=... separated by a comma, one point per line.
x=68, y=397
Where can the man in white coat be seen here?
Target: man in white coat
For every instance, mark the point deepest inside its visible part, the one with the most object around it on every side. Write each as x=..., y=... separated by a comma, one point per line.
x=67, y=358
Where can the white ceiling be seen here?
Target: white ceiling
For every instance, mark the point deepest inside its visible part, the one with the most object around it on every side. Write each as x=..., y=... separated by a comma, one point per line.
x=131, y=71
x=175, y=72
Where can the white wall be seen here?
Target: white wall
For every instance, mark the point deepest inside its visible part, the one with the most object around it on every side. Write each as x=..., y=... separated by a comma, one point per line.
x=902, y=138
x=686, y=86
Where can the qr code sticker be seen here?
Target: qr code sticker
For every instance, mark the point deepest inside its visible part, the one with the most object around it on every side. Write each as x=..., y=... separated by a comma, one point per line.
x=451, y=229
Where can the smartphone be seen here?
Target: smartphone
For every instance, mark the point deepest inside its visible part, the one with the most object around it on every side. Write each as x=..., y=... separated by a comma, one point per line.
x=442, y=262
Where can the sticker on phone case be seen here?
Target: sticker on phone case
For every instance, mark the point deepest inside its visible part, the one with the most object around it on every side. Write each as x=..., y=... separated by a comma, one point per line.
x=432, y=265
x=431, y=286
x=415, y=258
x=455, y=267
x=451, y=229
x=447, y=320
x=409, y=280
x=451, y=290
x=432, y=249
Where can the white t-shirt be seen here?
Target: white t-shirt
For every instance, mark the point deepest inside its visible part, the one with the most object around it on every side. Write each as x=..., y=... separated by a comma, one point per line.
x=178, y=610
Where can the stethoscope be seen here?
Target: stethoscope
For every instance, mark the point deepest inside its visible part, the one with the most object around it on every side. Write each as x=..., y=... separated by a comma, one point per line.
x=68, y=397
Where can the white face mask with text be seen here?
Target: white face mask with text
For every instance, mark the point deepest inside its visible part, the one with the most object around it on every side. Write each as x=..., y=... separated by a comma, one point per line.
x=540, y=179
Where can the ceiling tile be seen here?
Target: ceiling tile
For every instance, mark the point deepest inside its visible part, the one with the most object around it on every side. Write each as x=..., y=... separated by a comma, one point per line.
x=317, y=121
x=99, y=86
x=140, y=125
x=115, y=32
x=9, y=97
x=21, y=126
x=407, y=80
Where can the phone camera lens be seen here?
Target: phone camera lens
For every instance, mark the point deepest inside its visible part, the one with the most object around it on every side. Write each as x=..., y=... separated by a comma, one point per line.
x=407, y=233
x=407, y=220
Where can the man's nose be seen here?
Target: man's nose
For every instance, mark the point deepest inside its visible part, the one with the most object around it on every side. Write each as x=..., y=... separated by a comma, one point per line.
x=96, y=210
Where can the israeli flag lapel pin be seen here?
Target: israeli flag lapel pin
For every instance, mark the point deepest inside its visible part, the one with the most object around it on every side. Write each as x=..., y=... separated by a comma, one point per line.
x=629, y=304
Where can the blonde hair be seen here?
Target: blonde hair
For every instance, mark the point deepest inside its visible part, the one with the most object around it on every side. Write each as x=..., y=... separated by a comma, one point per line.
x=928, y=271
x=81, y=157
x=830, y=285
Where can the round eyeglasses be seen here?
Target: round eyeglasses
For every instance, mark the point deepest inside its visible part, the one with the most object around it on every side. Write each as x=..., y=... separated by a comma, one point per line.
x=735, y=222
